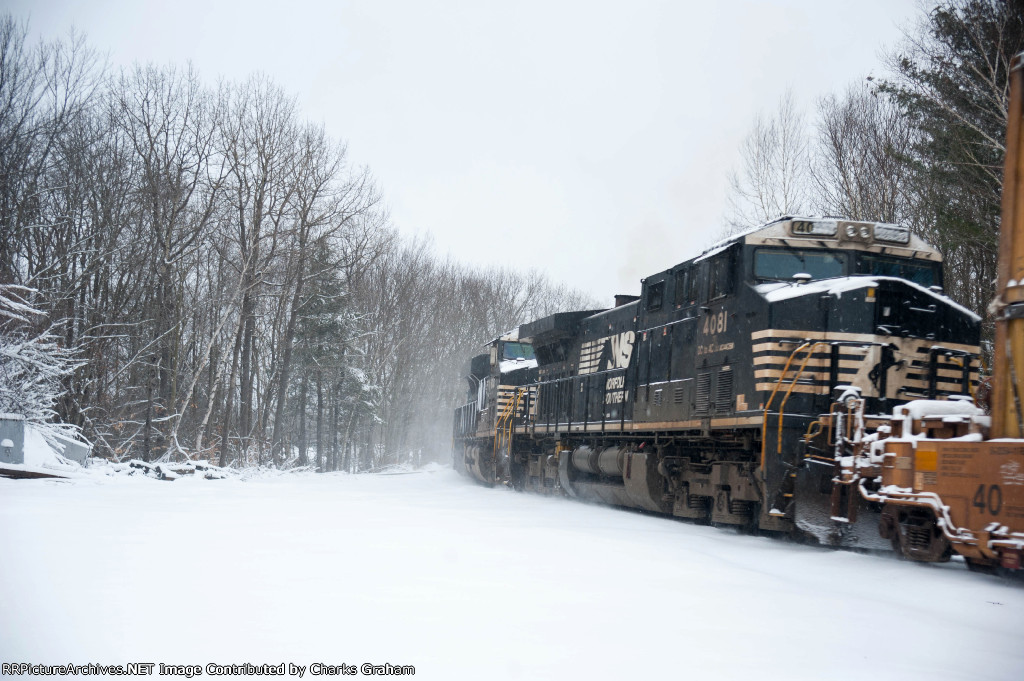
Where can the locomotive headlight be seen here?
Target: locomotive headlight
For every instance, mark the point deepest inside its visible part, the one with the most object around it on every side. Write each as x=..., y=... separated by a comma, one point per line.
x=851, y=231
x=865, y=232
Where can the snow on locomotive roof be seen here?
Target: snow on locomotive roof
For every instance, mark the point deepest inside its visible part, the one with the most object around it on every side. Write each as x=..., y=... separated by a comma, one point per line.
x=776, y=291
x=512, y=335
x=714, y=251
x=722, y=244
x=880, y=234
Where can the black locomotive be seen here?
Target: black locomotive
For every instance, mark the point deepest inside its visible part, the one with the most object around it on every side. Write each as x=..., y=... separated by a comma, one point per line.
x=703, y=397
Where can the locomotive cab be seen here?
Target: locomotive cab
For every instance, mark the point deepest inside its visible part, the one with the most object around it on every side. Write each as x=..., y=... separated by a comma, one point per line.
x=870, y=295
x=814, y=249
x=498, y=393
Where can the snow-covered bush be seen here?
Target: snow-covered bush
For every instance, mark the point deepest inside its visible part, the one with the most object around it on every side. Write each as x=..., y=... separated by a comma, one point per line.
x=32, y=364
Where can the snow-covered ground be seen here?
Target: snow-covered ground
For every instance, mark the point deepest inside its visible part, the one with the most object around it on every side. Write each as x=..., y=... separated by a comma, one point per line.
x=463, y=582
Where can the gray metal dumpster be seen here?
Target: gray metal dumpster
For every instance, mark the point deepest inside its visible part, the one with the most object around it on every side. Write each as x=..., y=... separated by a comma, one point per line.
x=12, y=438
x=75, y=450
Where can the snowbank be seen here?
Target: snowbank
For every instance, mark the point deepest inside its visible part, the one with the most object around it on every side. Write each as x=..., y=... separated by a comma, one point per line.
x=465, y=582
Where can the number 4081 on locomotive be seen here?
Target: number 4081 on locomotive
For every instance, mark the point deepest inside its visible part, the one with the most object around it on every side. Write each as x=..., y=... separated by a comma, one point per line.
x=751, y=386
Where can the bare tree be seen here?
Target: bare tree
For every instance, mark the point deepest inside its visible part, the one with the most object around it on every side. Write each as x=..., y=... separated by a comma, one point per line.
x=259, y=148
x=328, y=203
x=773, y=176
x=859, y=166
x=223, y=273
x=169, y=121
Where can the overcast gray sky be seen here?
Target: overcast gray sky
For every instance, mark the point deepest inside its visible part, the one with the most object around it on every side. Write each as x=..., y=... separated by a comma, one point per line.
x=591, y=140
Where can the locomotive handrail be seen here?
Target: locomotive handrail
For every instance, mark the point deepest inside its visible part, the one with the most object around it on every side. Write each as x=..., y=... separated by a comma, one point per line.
x=966, y=366
x=831, y=420
x=792, y=384
x=466, y=418
x=775, y=390
x=768, y=403
x=503, y=427
x=500, y=423
x=810, y=347
x=814, y=429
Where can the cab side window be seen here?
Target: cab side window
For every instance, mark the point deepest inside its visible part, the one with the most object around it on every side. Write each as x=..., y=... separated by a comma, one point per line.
x=720, y=279
x=696, y=274
x=684, y=295
x=655, y=296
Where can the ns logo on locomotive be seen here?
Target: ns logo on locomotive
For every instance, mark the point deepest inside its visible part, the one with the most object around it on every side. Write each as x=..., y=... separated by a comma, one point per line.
x=755, y=385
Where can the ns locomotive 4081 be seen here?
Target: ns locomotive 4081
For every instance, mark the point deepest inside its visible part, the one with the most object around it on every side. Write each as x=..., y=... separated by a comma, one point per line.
x=696, y=399
x=807, y=375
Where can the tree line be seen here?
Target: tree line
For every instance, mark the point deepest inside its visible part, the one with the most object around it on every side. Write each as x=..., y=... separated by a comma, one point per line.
x=922, y=147
x=196, y=271
x=188, y=270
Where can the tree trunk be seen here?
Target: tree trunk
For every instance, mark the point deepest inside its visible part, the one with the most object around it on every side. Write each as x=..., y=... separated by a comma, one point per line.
x=319, y=422
x=303, y=459
x=286, y=359
x=246, y=374
x=229, y=390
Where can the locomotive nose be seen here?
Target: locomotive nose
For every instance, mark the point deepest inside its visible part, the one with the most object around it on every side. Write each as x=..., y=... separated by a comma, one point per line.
x=904, y=309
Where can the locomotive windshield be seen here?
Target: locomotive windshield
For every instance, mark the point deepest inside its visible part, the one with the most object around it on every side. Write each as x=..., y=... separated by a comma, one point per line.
x=776, y=264
x=517, y=351
x=781, y=265
x=923, y=273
